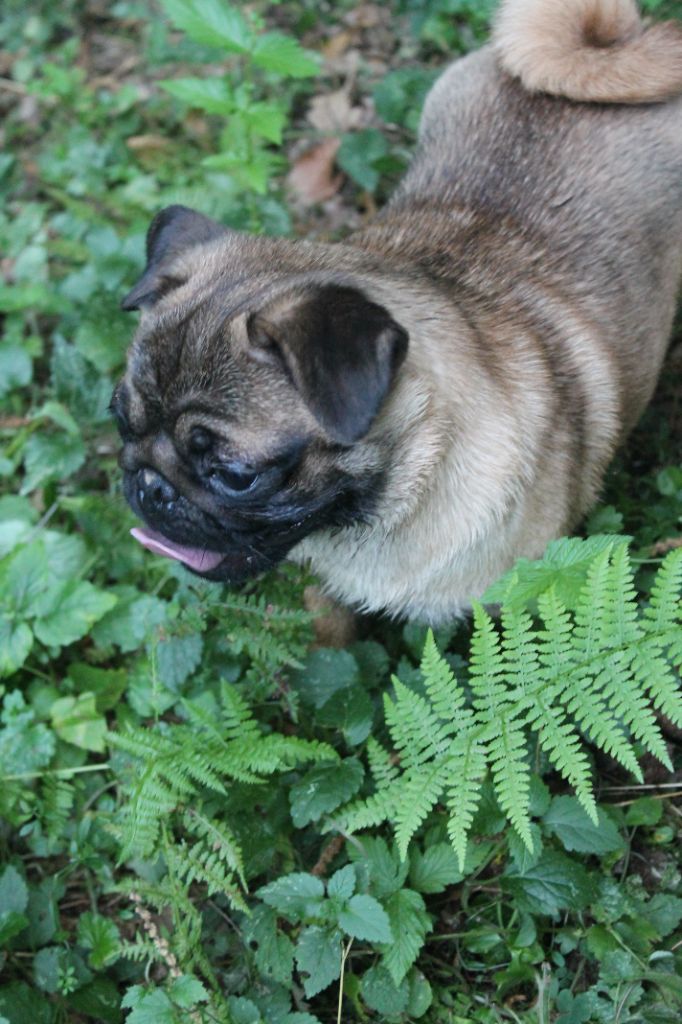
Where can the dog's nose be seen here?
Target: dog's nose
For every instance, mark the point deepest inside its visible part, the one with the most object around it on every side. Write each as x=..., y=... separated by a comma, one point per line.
x=153, y=490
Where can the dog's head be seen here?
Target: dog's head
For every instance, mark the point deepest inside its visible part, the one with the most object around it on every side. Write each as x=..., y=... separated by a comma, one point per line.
x=252, y=384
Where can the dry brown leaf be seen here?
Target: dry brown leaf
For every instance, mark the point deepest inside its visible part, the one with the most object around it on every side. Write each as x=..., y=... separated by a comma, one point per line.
x=140, y=142
x=312, y=178
x=332, y=113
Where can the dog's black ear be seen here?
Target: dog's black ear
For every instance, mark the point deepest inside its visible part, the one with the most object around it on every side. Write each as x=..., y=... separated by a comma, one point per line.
x=340, y=349
x=173, y=230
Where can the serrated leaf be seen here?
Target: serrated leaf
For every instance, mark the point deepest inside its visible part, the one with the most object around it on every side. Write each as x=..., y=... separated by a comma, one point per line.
x=351, y=710
x=214, y=95
x=664, y=912
x=567, y=819
x=296, y=895
x=381, y=993
x=53, y=456
x=150, y=1008
x=324, y=788
x=212, y=23
x=364, y=918
x=186, y=992
x=318, y=956
x=434, y=869
x=409, y=924
x=177, y=657
x=324, y=672
x=554, y=884
x=99, y=935
x=386, y=872
x=284, y=56
x=46, y=968
x=274, y=951
x=66, y=615
x=22, y=1004
x=358, y=156
x=341, y=885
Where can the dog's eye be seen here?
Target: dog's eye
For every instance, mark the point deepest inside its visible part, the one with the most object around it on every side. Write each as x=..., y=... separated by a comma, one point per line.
x=200, y=441
x=235, y=478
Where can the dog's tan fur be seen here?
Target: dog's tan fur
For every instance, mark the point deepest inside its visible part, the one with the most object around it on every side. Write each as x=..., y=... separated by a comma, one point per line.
x=533, y=254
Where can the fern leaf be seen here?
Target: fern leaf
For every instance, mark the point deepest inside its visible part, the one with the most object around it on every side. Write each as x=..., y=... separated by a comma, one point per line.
x=220, y=838
x=487, y=667
x=414, y=728
x=419, y=794
x=467, y=770
x=444, y=692
x=664, y=612
x=656, y=677
x=507, y=755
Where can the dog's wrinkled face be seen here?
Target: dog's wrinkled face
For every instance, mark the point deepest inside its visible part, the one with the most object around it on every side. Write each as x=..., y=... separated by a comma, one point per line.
x=246, y=400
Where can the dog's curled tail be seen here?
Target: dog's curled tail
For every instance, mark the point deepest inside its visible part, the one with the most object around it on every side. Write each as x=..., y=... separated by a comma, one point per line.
x=597, y=51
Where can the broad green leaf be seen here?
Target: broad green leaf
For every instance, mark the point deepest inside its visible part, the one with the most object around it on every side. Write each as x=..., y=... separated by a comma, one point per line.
x=664, y=912
x=324, y=788
x=11, y=923
x=68, y=614
x=435, y=869
x=76, y=720
x=358, y=155
x=341, y=885
x=100, y=936
x=99, y=1000
x=409, y=925
x=571, y=824
x=243, y=1011
x=318, y=957
x=564, y=566
x=16, y=641
x=131, y=621
x=107, y=684
x=22, y=1004
x=324, y=673
x=211, y=22
x=554, y=884
x=266, y=120
x=25, y=746
x=214, y=95
x=421, y=995
x=186, y=992
x=284, y=56
x=46, y=968
x=13, y=892
x=177, y=657
x=152, y=1007
x=383, y=866
x=295, y=896
x=53, y=456
x=351, y=710
x=274, y=951
x=25, y=577
x=645, y=811
x=364, y=918
x=381, y=993
x=16, y=368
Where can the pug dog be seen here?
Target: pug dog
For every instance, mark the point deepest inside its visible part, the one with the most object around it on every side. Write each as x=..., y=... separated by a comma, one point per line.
x=415, y=408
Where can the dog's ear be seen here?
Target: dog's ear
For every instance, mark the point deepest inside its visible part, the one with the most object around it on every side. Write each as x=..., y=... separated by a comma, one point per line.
x=173, y=230
x=340, y=350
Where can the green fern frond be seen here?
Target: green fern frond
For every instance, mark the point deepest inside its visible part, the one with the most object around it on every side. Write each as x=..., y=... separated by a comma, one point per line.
x=593, y=672
x=219, y=837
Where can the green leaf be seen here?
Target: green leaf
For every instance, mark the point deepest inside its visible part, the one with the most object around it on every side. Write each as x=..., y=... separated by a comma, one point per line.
x=409, y=924
x=214, y=95
x=99, y=1000
x=323, y=674
x=107, y=684
x=243, y=1011
x=381, y=993
x=564, y=566
x=318, y=956
x=645, y=811
x=295, y=896
x=554, y=884
x=284, y=56
x=25, y=746
x=274, y=951
x=421, y=995
x=663, y=911
x=11, y=923
x=386, y=872
x=267, y=120
x=68, y=613
x=570, y=823
x=212, y=23
x=16, y=641
x=76, y=720
x=149, y=1007
x=365, y=918
x=358, y=155
x=324, y=788
x=100, y=935
x=53, y=456
x=13, y=892
x=341, y=885
x=177, y=657
x=351, y=710
x=46, y=968
x=186, y=992
x=21, y=1004
x=16, y=368
x=435, y=869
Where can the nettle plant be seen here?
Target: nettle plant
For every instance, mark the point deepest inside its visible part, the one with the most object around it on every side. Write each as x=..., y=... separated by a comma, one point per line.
x=264, y=62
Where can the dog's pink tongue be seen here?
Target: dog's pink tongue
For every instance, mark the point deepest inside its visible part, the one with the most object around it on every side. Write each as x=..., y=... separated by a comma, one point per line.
x=195, y=558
